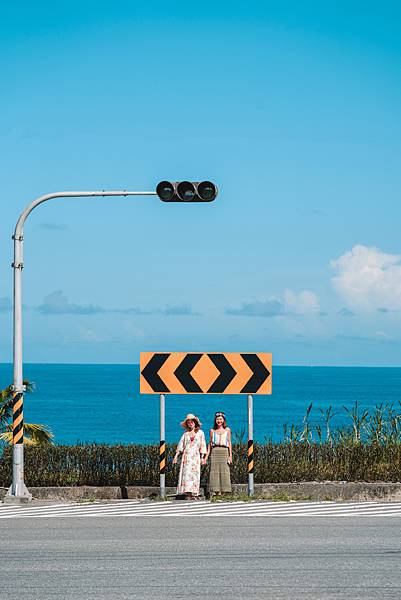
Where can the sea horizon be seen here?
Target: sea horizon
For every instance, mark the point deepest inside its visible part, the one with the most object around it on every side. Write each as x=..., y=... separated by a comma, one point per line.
x=325, y=366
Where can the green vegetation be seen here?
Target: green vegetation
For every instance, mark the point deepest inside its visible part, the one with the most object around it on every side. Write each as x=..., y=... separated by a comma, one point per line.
x=243, y=497
x=369, y=449
x=50, y=465
x=34, y=433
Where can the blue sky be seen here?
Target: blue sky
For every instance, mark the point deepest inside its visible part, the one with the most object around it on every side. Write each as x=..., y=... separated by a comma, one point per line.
x=293, y=108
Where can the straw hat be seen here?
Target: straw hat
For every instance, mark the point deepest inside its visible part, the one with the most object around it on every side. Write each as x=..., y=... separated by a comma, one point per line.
x=190, y=417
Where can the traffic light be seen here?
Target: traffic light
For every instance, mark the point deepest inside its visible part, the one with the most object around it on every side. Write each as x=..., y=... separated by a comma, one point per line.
x=186, y=191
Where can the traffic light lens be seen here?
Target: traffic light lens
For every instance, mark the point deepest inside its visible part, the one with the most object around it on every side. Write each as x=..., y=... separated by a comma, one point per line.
x=165, y=191
x=207, y=190
x=186, y=191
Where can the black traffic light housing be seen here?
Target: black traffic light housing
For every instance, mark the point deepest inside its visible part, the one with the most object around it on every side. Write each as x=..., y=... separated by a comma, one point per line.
x=186, y=191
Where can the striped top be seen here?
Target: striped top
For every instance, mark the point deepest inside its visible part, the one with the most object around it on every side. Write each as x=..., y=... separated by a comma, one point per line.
x=220, y=439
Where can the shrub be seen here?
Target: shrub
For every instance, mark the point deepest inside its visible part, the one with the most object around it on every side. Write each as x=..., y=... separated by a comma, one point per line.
x=98, y=464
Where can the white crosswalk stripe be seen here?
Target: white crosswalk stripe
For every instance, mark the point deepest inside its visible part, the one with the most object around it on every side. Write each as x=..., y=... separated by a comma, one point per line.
x=139, y=508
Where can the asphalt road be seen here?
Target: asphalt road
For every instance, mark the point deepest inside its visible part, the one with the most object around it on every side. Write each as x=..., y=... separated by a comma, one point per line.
x=195, y=557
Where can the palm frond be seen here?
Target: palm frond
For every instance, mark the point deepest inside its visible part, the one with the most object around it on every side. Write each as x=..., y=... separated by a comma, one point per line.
x=29, y=386
x=7, y=436
x=36, y=435
x=7, y=399
x=8, y=392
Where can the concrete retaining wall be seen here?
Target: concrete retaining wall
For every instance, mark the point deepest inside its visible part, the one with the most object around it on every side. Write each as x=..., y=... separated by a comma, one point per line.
x=330, y=490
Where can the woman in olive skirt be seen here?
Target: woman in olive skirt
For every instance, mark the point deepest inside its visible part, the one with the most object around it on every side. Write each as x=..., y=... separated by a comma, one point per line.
x=220, y=452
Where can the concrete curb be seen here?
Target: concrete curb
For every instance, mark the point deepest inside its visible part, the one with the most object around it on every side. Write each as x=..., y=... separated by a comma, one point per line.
x=328, y=490
x=309, y=490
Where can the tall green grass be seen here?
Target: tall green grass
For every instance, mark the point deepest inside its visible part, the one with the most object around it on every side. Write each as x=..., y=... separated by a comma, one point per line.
x=138, y=465
x=367, y=449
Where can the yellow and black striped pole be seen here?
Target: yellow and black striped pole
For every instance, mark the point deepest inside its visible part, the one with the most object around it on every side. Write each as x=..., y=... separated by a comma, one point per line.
x=162, y=457
x=250, y=456
x=250, y=445
x=18, y=418
x=18, y=491
x=162, y=448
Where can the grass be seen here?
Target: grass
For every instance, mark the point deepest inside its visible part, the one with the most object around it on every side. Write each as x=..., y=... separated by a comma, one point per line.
x=277, y=497
x=100, y=465
x=88, y=500
x=367, y=449
x=284, y=497
x=158, y=498
x=243, y=497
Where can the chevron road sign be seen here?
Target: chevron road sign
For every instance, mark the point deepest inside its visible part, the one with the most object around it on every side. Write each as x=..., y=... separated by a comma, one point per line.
x=205, y=373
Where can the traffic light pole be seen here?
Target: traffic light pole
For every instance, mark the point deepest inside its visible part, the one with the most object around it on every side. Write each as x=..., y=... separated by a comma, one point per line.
x=18, y=491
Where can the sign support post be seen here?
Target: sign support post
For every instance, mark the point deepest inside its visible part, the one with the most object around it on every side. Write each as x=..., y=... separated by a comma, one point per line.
x=250, y=445
x=162, y=446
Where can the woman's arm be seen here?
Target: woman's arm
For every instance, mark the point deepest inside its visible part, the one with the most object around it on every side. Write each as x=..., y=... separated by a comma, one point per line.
x=180, y=448
x=230, y=447
x=203, y=449
x=209, y=446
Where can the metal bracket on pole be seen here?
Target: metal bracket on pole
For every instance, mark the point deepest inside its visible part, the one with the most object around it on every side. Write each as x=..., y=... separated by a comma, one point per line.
x=18, y=389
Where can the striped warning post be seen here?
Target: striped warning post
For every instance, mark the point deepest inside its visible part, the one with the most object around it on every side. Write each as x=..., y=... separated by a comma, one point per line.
x=162, y=457
x=250, y=456
x=18, y=418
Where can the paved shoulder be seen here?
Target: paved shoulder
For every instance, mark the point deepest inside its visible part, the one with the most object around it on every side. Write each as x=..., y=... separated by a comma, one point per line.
x=138, y=508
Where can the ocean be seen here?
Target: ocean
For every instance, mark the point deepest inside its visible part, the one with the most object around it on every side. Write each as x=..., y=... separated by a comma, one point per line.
x=101, y=403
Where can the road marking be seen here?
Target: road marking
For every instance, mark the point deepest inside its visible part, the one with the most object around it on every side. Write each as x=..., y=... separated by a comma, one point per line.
x=138, y=508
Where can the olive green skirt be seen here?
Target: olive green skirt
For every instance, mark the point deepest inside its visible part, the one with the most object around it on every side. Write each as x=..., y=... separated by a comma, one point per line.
x=219, y=477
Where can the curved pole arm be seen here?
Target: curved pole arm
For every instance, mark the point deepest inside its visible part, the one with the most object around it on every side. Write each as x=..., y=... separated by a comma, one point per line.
x=19, y=263
x=18, y=490
x=21, y=221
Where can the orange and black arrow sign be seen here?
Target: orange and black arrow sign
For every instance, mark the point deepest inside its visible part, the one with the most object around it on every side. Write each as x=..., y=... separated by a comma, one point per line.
x=205, y=373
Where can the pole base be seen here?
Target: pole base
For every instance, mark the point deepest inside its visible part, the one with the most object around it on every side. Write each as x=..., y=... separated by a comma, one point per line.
x=21, y=496
x=250, y=485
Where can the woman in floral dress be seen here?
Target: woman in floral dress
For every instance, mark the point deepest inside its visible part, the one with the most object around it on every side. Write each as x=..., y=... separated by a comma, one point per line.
x=193, y=447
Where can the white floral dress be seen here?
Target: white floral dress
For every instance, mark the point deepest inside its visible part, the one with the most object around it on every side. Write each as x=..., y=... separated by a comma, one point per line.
x=192, y=445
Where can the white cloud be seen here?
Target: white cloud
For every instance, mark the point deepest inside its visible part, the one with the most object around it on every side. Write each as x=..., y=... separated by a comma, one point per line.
x=368, y=278
x=131, y=331
x=58, y=304
x=265, y=308
x=179, y=310
x=53, y=226
x=304, y=303
x=92, y=336
x=383, y=335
